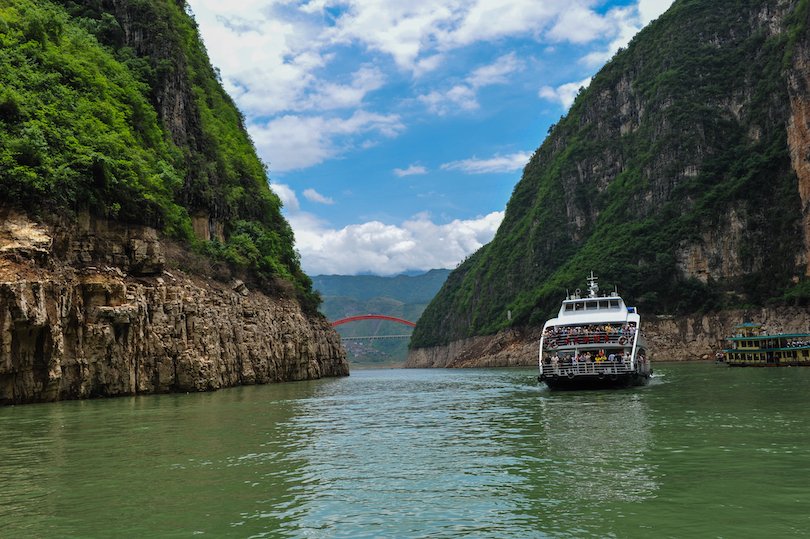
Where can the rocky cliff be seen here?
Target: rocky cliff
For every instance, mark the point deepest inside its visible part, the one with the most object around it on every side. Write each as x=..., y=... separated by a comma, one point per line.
x=679, y=175
x=97, y=310
x=141, y=248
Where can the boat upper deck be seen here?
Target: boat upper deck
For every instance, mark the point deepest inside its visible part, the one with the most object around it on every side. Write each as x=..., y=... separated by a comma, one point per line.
x=593, y=309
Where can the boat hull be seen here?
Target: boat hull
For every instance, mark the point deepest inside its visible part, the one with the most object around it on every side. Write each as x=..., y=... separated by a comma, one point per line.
x=594, y=381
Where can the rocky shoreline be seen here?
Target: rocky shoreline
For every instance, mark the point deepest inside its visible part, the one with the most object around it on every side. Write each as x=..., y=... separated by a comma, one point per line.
x=93, y=311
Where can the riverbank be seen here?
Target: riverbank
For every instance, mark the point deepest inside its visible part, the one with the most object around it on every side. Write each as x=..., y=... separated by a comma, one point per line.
x=669, y=338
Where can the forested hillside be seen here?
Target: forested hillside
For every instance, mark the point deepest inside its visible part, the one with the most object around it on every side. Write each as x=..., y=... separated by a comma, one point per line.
x=679, y=175
x=112, y=108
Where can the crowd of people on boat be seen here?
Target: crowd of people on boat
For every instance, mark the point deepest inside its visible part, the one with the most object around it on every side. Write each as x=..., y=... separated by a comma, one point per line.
x=587, y=357
x=798, y=344
x=575, y=331
x=566, y=335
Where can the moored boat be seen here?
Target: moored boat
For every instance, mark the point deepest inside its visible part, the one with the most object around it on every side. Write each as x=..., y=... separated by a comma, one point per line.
x=595, y=342
x=752, y=346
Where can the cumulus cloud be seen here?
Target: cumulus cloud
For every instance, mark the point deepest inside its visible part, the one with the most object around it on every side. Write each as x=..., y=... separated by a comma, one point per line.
x=496, y=164
x=385, y=249
x=330, y=95
x=293, y=142
x=412, y=170
x=579, y=24
x=564, y=94
x=287, y=196
x=314, y=196
x=651, y=9
x=271, y=51
x=375, y=247
x=497, y=72
x=463, y=96
x=285, y=62
x=459, y=97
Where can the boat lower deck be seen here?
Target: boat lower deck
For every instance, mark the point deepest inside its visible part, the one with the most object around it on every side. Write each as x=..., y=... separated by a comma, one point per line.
x=767, y=363
x=594, y=375
x=787, y=356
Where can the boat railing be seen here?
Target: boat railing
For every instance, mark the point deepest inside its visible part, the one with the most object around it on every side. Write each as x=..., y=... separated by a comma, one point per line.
x=573, y=368
x=594, y=337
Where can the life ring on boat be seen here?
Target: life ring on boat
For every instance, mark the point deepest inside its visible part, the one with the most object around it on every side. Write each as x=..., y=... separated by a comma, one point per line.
x=622, y=340
x=570, y=375
x=613, y=377
x=601, y=376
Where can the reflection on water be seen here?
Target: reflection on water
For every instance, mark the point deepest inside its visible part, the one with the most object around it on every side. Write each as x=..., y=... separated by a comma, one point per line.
x=419, y=453
x=597, y=447
x=411, y=453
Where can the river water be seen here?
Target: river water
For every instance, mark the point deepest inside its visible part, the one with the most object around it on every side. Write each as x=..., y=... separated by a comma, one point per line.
x=704, y=451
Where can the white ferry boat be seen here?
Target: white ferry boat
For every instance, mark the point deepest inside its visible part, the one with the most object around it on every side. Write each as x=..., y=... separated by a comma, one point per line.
x=594, y=343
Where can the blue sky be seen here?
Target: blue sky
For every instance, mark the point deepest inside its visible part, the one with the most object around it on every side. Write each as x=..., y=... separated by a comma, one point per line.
x=395, y=131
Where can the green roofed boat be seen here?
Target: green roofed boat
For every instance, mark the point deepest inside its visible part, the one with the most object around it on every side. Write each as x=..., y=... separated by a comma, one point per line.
x=751, y=346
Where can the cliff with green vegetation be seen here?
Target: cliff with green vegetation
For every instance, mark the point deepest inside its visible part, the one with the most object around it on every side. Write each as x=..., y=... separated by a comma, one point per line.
x=680, y=176
x=122, y=160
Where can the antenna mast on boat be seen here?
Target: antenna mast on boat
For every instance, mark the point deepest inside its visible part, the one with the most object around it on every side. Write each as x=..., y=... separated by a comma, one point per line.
x=593, y=288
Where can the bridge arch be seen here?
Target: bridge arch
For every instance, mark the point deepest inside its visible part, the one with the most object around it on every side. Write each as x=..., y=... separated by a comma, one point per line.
x=372, y=317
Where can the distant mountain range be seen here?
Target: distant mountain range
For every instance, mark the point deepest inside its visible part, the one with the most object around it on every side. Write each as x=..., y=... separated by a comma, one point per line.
x=402, y=296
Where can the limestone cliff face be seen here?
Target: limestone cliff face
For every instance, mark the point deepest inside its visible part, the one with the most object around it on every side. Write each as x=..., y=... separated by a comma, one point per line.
x=799, y=133
x=92, y=311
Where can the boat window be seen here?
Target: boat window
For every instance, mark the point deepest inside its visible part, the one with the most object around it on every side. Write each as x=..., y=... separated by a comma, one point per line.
x=591, y=305
x=578, y=306
x=603, y=304
x=614, y=304
x=569, y=307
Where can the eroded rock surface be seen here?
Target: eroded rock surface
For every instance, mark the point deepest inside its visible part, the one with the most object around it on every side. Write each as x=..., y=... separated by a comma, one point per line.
x=80, y=319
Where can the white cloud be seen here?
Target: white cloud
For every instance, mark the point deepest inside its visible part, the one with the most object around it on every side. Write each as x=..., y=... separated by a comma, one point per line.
x=497, y=72
x=579, y=24
x=329, y=95
x=314, y=196
x=459, y=97
x=281, y=59
x=383, y=249
x=497, y=164
x=564, y=94
x=651, y=9
x=627, y=22
x=294, y=142
x=463, y=96
x=412, y=170
x=287, y=196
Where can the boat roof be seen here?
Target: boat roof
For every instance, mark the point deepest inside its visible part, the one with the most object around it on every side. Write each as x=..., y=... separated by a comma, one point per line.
x=592, y=309
x=769, y=336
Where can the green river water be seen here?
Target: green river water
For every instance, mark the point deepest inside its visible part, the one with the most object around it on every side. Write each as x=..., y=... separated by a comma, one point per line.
x=704, y=451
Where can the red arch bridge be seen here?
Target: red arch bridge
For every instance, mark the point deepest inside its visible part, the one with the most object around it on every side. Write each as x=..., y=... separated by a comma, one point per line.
x=374, y=317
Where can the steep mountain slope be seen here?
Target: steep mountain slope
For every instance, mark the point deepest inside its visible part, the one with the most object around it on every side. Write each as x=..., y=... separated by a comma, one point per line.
x=141, y=248
x=679, y=175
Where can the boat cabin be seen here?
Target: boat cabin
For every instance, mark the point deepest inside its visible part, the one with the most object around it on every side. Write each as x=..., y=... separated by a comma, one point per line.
x=751, y=345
